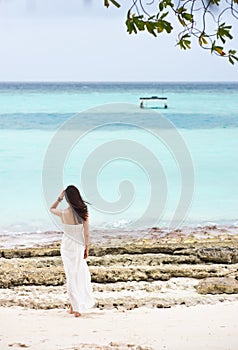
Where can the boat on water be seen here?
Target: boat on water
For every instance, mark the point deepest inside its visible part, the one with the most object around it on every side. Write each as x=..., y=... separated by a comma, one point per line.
x=153, y=102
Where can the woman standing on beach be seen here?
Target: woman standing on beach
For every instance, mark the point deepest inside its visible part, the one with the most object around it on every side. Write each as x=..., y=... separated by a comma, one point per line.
x=74, y=249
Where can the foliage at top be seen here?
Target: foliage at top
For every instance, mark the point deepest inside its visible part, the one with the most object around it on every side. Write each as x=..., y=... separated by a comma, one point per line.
x=202, y=20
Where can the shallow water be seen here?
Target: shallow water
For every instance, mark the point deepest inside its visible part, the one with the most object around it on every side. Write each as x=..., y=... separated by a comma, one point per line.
x=205, y=116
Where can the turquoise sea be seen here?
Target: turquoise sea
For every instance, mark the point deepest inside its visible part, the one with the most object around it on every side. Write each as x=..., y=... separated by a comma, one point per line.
x=204, y=114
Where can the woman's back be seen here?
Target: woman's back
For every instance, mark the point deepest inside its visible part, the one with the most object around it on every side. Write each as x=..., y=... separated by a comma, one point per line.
x=72, y=230
x=70, y=218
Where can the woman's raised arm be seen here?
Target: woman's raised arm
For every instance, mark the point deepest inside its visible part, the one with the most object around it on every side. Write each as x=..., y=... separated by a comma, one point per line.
x=53, y=208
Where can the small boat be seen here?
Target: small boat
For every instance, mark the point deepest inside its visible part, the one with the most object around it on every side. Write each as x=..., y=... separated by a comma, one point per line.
x=144, y=101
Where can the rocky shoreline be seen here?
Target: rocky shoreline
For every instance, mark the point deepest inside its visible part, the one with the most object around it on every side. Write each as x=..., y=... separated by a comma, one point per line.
x=153, y=272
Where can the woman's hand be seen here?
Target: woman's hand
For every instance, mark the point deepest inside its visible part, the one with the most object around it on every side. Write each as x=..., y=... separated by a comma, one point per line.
x=61, y=196
x=86, y=252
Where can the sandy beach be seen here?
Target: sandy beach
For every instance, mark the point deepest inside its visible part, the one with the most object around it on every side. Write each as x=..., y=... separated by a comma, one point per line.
x=176, y=292
x=211, y=327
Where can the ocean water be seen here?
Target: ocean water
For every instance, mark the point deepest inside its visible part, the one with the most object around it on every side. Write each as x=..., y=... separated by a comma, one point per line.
x=124, y=159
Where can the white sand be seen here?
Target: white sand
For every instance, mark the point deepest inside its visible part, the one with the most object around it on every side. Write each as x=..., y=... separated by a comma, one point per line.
x=210, y=327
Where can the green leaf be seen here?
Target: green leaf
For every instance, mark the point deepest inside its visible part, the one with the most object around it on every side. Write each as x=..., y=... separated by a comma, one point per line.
x=106, y=3
x=151, y=26
x=160, y=27
x=184, y=42
x=163, y=25
x=219, y=50
x=164, y=15
x=115, y=3
x=140, y=24
x=223, y=32
x=130, y=26
x=168, y=27
x=232, y=57
x=181, y=21
x=165, y=3
x=180, y=10
x=202, y=40
x=161, y=6
x=187, y=16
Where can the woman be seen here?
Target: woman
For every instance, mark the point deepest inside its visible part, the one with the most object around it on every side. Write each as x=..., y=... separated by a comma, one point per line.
x=74, y=249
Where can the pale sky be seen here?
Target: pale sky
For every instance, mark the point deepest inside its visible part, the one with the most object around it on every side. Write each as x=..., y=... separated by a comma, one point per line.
x=76, y=40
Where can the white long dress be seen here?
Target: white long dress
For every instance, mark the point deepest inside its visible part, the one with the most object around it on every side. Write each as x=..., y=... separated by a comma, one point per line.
x=78, y=279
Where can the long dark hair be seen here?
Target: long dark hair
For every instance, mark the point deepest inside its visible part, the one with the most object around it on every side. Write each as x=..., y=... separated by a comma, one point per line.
x=78, y=205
